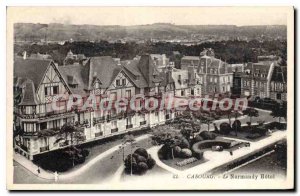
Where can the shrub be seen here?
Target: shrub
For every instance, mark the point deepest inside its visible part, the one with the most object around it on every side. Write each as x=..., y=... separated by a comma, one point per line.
x=165, y=152
x=177, y=150
x=206, y=135
x=127, y=161
x=79, y=159
x=225, y=128
x=142, y=168
x=186, y=153
x=141, y=152
x=85, y=152
x=236, y=125
x=262, y=131
x=151, y=162
x=141, y=159
x=184, y=143
x=276, y=125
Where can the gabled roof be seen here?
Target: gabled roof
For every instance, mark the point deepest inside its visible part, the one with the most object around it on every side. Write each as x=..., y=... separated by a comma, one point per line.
x=104, y=68
x=144, y=73
x=32, y=69
x=72, y=75
x=133, y=72
x=148, y=69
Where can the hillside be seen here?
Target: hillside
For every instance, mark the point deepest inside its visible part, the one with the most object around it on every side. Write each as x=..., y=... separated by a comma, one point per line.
x=58, y=32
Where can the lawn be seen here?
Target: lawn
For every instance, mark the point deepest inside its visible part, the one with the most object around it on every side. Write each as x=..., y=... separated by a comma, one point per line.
x=247, y=134
x=172, y=162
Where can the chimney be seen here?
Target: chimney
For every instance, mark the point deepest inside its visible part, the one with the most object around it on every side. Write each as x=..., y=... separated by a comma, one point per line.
x=24, y=55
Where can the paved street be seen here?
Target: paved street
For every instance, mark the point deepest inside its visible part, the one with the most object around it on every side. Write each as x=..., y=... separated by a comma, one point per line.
x=104, y=168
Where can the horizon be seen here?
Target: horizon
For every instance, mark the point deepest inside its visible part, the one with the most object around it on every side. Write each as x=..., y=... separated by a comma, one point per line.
x=135, y=16
x=156, y=23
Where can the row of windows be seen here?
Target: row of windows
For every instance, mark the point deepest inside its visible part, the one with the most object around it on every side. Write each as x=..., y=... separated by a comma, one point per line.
x=51, y=90
x=184, y=93
x=120, y=82
x=113, y=95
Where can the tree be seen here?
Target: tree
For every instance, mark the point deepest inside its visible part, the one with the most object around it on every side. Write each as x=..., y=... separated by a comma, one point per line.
x=236, y=125
x=251, y=112
x=279, y=111
x=169, y=139
x=207, y=120
x=74, y=133
x=128, y=139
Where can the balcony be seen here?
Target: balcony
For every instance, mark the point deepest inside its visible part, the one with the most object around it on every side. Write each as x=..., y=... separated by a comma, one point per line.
x=51, y=114
x=99, y=134
x=143, y=122
x=63, y=144
x=98, y=120
x=43, y=149
x=129, y=126
x=114, y=130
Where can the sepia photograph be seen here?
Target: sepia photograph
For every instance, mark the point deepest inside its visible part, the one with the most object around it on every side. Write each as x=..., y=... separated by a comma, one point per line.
x=150, y=98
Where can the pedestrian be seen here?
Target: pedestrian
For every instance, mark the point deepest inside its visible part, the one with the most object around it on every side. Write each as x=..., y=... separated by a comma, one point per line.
x=231, y=153
x=38, y=170
x=55, y=176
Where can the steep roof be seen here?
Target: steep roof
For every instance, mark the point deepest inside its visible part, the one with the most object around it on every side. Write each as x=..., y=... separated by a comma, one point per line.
x=144, y=73
x=29, y=95
x=279, y=74
x=32, y=69
x=148, y=69
x=103, y=68
x=133, y=72
x=72, y=75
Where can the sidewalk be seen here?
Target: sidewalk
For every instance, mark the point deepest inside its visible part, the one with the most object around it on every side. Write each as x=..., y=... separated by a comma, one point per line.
x=29, y=165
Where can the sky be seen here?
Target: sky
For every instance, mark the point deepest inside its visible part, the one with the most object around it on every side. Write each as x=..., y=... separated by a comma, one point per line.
x=239, y=16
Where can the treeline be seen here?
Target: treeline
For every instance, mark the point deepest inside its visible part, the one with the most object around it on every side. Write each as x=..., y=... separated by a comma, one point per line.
x=229, y=51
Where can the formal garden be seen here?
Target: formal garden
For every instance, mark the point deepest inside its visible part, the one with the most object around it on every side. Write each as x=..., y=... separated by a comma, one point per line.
x=183, y=143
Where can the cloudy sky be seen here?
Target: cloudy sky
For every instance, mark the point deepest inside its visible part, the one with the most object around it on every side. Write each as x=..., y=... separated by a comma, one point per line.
x=148, y=15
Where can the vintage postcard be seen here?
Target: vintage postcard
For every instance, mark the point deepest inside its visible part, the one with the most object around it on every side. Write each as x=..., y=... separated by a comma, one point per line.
x=150, y=98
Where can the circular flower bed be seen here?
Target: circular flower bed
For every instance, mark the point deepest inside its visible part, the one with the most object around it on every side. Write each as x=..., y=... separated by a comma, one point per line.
x=199, y=147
